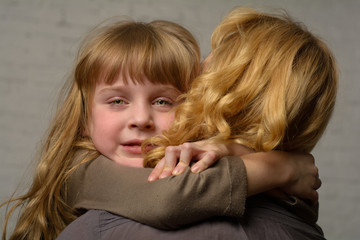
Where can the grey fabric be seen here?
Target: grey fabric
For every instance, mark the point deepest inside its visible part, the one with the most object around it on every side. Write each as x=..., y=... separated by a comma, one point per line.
x=99, y=224
x=264, y=219
x=269, y=218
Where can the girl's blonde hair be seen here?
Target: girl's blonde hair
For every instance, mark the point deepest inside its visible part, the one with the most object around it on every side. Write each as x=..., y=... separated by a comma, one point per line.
x=269, y=84
x=162, y=51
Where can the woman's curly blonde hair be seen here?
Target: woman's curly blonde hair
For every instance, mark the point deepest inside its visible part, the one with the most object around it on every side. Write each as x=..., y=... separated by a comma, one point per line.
x=270, y=84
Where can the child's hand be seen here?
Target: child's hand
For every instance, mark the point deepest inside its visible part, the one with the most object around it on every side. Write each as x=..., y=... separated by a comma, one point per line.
x=305, y=181
x=288, y=173
x=178, y=158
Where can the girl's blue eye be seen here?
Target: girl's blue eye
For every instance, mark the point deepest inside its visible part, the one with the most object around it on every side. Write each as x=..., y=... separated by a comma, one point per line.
x=162, y=102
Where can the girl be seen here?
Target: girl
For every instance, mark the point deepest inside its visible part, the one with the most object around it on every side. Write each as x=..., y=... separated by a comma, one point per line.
x=161, y=56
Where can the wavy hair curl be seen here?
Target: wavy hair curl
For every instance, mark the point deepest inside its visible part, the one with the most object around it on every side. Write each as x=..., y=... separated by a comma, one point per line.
x=269, y=84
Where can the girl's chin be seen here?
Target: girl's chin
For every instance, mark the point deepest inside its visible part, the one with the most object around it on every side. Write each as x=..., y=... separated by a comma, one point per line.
x=130, y=162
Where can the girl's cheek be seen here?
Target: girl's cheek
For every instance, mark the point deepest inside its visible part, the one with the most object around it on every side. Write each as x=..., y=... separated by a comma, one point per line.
x=169, y=120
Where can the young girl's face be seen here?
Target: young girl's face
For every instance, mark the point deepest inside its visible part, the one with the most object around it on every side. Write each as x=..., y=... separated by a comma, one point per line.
x=124, y=115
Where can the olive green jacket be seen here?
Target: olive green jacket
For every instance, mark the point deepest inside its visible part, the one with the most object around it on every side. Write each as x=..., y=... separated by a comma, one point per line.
x=167, y=203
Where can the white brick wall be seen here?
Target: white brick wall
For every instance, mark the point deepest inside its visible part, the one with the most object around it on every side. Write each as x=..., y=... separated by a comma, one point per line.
x=39, y=39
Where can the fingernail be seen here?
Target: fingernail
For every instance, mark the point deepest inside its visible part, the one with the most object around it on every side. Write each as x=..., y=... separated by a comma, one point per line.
x=195, y=169
x=176, y=171
x=162, y=176
x=150, y=179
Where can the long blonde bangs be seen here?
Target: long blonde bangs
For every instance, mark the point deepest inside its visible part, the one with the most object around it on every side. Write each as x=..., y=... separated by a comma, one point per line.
x=162, y=51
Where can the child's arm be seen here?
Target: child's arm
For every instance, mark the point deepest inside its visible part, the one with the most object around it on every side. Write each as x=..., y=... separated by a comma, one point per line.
x=295, y=174
x=175, y=201
x=168, y=203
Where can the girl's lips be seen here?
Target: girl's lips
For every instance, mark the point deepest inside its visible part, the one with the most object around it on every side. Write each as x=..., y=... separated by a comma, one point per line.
x=133, y=149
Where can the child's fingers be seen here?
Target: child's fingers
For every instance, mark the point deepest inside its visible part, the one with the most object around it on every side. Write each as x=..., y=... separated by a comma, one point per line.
x=314, y=195
x=170, y=160
x=318, y=183
x=187, y=153
x=178, y=158
x=186, y=156
x=205, y=162
x=155, y=173
x=311, y=195
x=180, y=168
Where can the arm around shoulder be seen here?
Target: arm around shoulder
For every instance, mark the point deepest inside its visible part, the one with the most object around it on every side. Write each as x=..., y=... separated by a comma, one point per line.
x=166, y=204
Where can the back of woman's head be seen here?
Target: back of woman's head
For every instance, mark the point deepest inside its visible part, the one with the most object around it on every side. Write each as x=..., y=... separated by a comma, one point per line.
x=269, y=84
x=278, y=81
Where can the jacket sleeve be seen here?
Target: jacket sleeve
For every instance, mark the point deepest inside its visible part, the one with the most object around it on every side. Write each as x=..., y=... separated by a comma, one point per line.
x=167, y=203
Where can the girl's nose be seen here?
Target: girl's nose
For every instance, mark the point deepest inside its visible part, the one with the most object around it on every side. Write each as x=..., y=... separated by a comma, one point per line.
x=142, y=118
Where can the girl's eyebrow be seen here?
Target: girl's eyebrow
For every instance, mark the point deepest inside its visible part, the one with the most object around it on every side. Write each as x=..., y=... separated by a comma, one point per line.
x=169, y=88
x=163, y=88
x=111, y=89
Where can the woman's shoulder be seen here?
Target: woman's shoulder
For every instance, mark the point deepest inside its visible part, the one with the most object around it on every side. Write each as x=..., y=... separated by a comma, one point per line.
x=94, y=225
x=84, y=227
x=291, y=218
